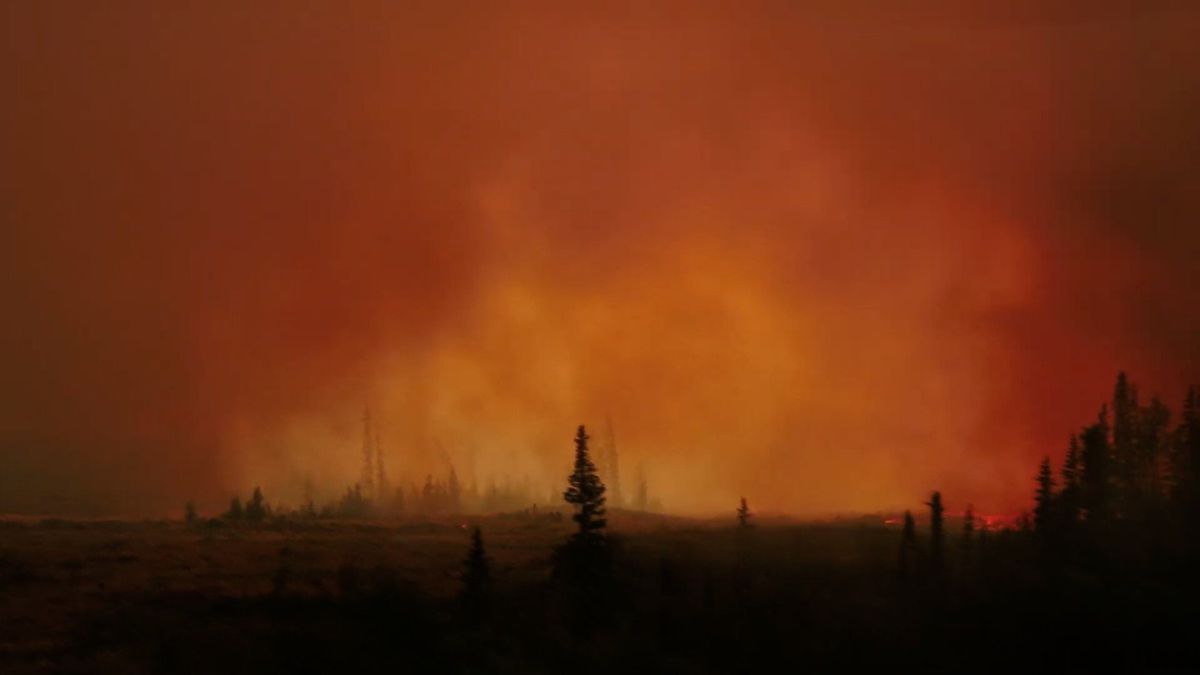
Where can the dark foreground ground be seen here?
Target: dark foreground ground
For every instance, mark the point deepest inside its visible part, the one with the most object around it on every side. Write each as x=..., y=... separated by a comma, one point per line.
x=345, y=597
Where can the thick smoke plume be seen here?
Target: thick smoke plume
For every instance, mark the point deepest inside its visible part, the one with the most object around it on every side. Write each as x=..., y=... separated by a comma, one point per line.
x=826, y=255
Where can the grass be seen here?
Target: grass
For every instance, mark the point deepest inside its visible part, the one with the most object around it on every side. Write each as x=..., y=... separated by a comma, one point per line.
x=687, y=596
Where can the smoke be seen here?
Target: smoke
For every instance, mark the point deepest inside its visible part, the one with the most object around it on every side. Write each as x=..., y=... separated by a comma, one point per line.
x=830, y=257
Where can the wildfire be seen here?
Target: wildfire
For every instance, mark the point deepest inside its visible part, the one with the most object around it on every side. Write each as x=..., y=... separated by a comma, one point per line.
x=983, y=521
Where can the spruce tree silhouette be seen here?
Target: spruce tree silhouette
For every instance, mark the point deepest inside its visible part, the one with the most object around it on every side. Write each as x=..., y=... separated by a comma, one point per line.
x=453, y=492
x=189, y=513
x=1185, y=464
x=256, y=510
x=1096, y=477
x=1043, y=509
x=583, y=564
x=235, y=511
x=1071, y=472
x=1123, y=450
x=1153, y=441
x=936, y=533
x=586, y=491
x=968, y=536
x=477, y=581
x=743, y=514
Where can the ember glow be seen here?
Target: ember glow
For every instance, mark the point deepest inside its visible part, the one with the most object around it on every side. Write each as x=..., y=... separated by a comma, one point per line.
x=824, y=258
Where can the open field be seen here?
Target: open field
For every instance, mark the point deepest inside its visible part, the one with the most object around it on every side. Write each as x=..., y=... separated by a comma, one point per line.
x=688, y=596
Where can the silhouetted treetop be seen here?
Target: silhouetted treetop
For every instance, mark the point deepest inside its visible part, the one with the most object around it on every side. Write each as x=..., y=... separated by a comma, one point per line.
x=256, y=509
x=585, y=491
x=743, y=514
x=936, y=531
x=476, y=578
x=235, y=511
x=1044, y=499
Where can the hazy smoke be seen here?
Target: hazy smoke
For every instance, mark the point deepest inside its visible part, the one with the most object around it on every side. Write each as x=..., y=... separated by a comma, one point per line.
x=828, y=257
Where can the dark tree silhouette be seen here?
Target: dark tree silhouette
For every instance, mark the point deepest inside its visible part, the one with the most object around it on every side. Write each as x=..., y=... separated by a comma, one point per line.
x=353, y=504
x=1096, y=496
x=585, y=491
x=908, y=545
x=1185, y=462
x=256, y=510
x=235, y=511
x=1124, y=436
x=477, y=580
x=453, y=492
x=1025, y=522
x=1043, y=510
x=1139, y=446
x=936, y=533
x=968, y=535
x=1069, y=496
x=189, y=513
x=743, y=514
x=583, y=564
x=309, y=509
x=1153, y=447
x=1134, y=470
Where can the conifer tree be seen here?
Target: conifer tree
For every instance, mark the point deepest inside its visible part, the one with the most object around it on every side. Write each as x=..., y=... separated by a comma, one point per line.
x=1043, y=510
x=189, y=512
x=235, y=509
x=309, y=509
x=1124, y=437
x=1025, y=522
x=743, y=514
x=1096, y=488
x=1185, y=463
x=936, y=535
x=583, y=563
x=585, y=491
x=476, y=579
x=427, y=494
x=968, y=534
x=256, y=510
x=1069, y=496
x=1153, y=444
x=454, y=492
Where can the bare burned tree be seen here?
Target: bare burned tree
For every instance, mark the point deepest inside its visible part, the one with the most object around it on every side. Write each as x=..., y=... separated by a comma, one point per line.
x=744, y=514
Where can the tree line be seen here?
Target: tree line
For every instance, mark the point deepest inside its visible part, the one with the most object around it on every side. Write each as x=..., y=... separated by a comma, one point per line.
x=1131, y=470
x=1130, y=466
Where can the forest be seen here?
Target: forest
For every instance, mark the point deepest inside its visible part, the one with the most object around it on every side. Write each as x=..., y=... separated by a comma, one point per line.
x=1100, y=572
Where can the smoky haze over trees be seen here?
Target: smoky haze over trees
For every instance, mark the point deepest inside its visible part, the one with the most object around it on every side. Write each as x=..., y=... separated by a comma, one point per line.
x=228, y=224
x=825, y=257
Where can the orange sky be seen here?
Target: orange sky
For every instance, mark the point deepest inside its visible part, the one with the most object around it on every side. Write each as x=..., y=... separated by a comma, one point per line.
x=821, y=254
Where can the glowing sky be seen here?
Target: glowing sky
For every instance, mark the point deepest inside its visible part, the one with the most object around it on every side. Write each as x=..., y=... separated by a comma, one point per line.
x=826, y=255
